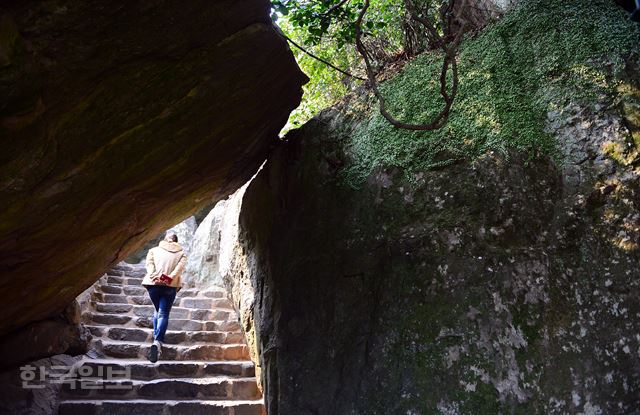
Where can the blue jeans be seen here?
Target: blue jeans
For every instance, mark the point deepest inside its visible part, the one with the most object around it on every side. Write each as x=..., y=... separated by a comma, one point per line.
x=162, y=297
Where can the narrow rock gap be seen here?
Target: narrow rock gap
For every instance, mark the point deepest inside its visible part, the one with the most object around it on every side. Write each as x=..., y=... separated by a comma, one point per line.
x=205, y=361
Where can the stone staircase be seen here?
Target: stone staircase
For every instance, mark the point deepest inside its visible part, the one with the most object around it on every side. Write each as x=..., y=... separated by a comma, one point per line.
x=204, y=367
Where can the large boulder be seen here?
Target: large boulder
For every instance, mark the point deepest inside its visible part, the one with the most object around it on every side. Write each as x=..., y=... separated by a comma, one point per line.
x=185, y=232
x=44, y=338
x=202, y=264
x=120, y=119
x=506, y=283
x=484, y=287
x=215, y=255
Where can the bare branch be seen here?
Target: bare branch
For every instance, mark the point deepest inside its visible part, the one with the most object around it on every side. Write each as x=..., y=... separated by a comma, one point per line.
x=449, y=45
x=435, y=37
x=334, y=8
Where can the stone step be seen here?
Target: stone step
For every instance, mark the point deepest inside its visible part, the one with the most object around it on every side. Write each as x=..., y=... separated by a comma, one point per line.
x=106, y=319
x=218, y=387
x=128, y=269
x=142, y=290
x=111, y=279
x=171, y=336
x=125, y=281
x=216, y=302
x=204, y=367
x=214, y=293
x=187, y=302
x=95, y=318
x=193, y=325
x=121, y=298
x=132, y=350
x=135, y=310
x=122, y=289
x=151, y=407
x=139, y=289
x=137, y=369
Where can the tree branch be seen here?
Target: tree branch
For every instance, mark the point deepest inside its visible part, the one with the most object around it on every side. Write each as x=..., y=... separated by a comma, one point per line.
x=329, y=64
x=449, y=62
x=334, y=8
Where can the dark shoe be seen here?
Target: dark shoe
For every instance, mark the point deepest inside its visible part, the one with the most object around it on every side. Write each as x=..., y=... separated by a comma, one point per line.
x=153, y=353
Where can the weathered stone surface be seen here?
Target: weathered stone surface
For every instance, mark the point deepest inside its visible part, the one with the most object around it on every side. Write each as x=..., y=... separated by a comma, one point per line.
x=479, y=13
x=118, y=333
x=124, y=281
x=131, y=272
x=113, y=308
x=141, y=300
x=184, y=230
x=216, y=293
x=108, y=319
x=494, y=286
x=202, y=265
x=187, y=292
x=196, y=302
x=119, y=120
x=43, y=339
x=110, y=289
x=15, y=398
x=133, y=290
x=111, y=298
x=122, y=408
x=72, y=313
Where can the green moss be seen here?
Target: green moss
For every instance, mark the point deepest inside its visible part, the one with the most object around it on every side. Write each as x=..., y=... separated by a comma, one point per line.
x=483, y=400
x=616, y=152
x=536, y=59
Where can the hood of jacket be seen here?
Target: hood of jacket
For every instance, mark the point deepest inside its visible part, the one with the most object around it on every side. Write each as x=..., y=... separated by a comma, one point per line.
x=170, y=246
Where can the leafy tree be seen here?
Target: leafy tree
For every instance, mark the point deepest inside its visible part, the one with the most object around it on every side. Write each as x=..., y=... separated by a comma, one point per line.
x=378, y=31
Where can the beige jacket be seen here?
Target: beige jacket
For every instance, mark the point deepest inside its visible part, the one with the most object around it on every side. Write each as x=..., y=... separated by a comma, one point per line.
x=166, y=258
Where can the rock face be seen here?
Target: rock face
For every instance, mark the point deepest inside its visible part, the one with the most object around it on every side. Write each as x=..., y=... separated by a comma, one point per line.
x=496, y=286
x=480, y=13
x=184, y=230
x=119, y=120
x=45, y=338
x=40, y=393
x=216, y=246
x=202, y=263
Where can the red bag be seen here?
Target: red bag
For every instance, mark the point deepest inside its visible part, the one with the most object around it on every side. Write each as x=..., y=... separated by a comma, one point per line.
x=166, y=279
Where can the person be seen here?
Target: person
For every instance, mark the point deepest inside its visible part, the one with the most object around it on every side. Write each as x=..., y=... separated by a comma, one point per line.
x=164, y=264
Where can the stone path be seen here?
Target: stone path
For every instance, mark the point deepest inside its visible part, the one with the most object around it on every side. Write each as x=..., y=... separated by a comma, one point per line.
x=204, y=367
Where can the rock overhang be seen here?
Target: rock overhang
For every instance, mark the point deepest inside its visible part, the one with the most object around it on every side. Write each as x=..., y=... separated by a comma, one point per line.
x=120, y=120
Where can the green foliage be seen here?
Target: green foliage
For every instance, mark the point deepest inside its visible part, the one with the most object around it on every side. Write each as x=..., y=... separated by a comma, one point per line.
x=323, y=19
x=541, y=54
x=331, y=37
x=325, y=85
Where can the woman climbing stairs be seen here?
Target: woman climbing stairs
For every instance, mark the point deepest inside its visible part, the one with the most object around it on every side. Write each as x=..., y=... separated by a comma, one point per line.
x=204, y=366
